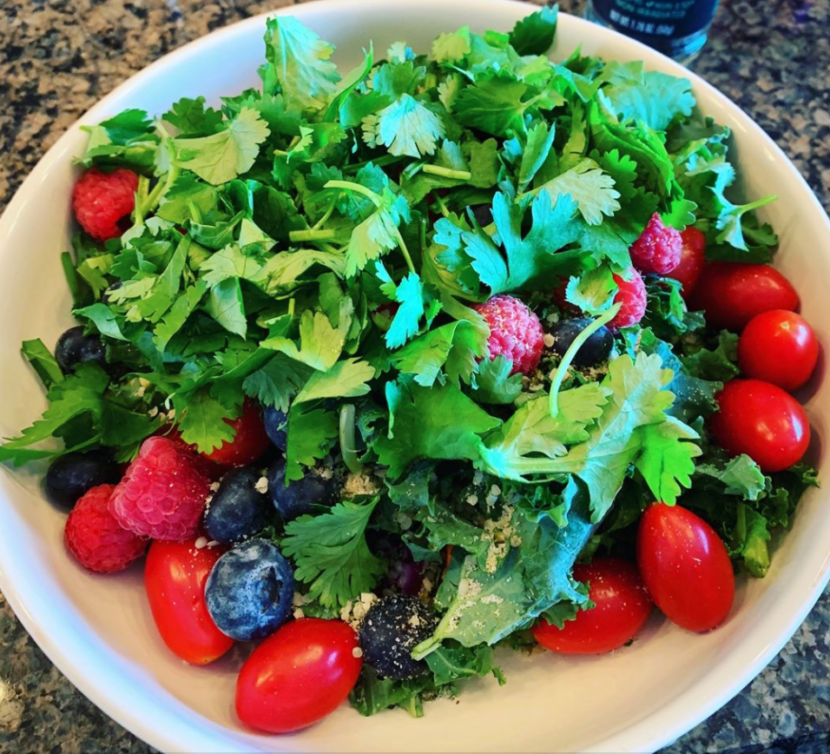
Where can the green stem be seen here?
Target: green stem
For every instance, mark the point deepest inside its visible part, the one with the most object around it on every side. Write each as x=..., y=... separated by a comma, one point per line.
x=404, y=250
x=458, y=175
x=140, y=199
x=441, y=205
x=347, y=444
x=357, y=188
x=195, y=212
x=425, y=648
x=299, y=236
x=578, y=341
x=379, y=162
x=155, y=195
x=325, y=218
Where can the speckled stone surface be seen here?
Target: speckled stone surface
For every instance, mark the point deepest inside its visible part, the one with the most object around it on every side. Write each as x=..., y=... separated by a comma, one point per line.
x=58, y=57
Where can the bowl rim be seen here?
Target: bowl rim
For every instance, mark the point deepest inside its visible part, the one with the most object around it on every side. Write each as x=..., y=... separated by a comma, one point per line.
x=167, y=729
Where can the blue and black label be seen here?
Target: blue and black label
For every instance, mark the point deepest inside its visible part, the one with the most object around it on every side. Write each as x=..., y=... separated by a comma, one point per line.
x=657, y=19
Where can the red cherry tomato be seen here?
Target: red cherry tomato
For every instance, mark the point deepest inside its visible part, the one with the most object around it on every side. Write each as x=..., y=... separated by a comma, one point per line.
x=685, y=567
x=249, y=443
x=733, y=293
x=174, y=577
x=692, y=260
x=622, y=607
x=298, y=675
x=780, y=347
x=763, y=421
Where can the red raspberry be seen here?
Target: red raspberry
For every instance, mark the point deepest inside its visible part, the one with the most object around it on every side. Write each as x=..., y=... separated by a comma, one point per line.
x=658, y=249
x=515, y=332
x=632, y=296
x=249, y=442
x=101, y=200
x=96, y=539
x=163, y=493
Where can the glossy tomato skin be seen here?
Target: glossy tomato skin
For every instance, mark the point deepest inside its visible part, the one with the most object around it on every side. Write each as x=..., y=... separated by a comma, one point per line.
x=174, y=578
x=622, y=607
x=733, y=293
x=298, y=675
x=763, y=421
x=780, y=347
x=250, y=441
x=685, y=567
x=692, y=260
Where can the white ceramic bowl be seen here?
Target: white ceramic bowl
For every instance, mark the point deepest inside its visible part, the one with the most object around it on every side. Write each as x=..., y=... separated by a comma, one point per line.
x=98, y=630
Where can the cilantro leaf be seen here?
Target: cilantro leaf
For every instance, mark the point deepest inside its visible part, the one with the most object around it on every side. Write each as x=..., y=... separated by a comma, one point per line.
x=437, y=422
x=452, y=47
x=331, y=553
x=311, y=432
x=666, y=462
x=276, y=383
x=201, y=419
x=456, y=345
x=346, y=379
x=298, y=64
x=657, y=100
x=320, y=343
x=494, y=382
x=406, y=127
x=533, y=34
x=591, y=189
x=191, y=117
x=222, y=156
x=226, y=306
x=42, y=361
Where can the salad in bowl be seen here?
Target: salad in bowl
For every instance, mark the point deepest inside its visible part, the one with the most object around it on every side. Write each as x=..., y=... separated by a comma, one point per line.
x=384, y=370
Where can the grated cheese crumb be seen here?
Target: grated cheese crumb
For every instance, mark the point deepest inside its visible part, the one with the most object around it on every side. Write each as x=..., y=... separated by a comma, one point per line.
x=472, y=499
x=357, y=652
x=201, y=543
x=549, y=340
x=298, y=613
x=261, y=485
x=153, y=412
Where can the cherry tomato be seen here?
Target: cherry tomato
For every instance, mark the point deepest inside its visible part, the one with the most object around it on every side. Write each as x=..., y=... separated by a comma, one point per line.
x=622, y=607
x=249, y=443
x=780, y=347
x=733, y=293
x=174, y=577
x=685, y=567
x=692, y=260
x=763, y=421
x=298, y=675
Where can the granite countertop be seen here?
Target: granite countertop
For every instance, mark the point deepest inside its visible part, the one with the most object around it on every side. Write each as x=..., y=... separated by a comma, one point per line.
x=58, y=57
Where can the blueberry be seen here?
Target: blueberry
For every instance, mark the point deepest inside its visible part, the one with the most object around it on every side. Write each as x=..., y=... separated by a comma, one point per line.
x=238, y=510
x=594, y=351
x=250, y=590
x=390, y=631
x=276, y=427
x=75, y=348
x=71, y=476
x=317, y=487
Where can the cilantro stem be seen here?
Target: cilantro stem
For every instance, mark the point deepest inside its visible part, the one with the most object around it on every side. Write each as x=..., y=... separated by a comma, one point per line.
x=458, y=175
x=195, y=212
x=155, y=195
x=356, y=187
x=426, y=647
x=298, y=236
x=441, y=205
x=140, y=198
x=404, y=251
x=578, y=341
x=347, y=444
x=325, y=218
